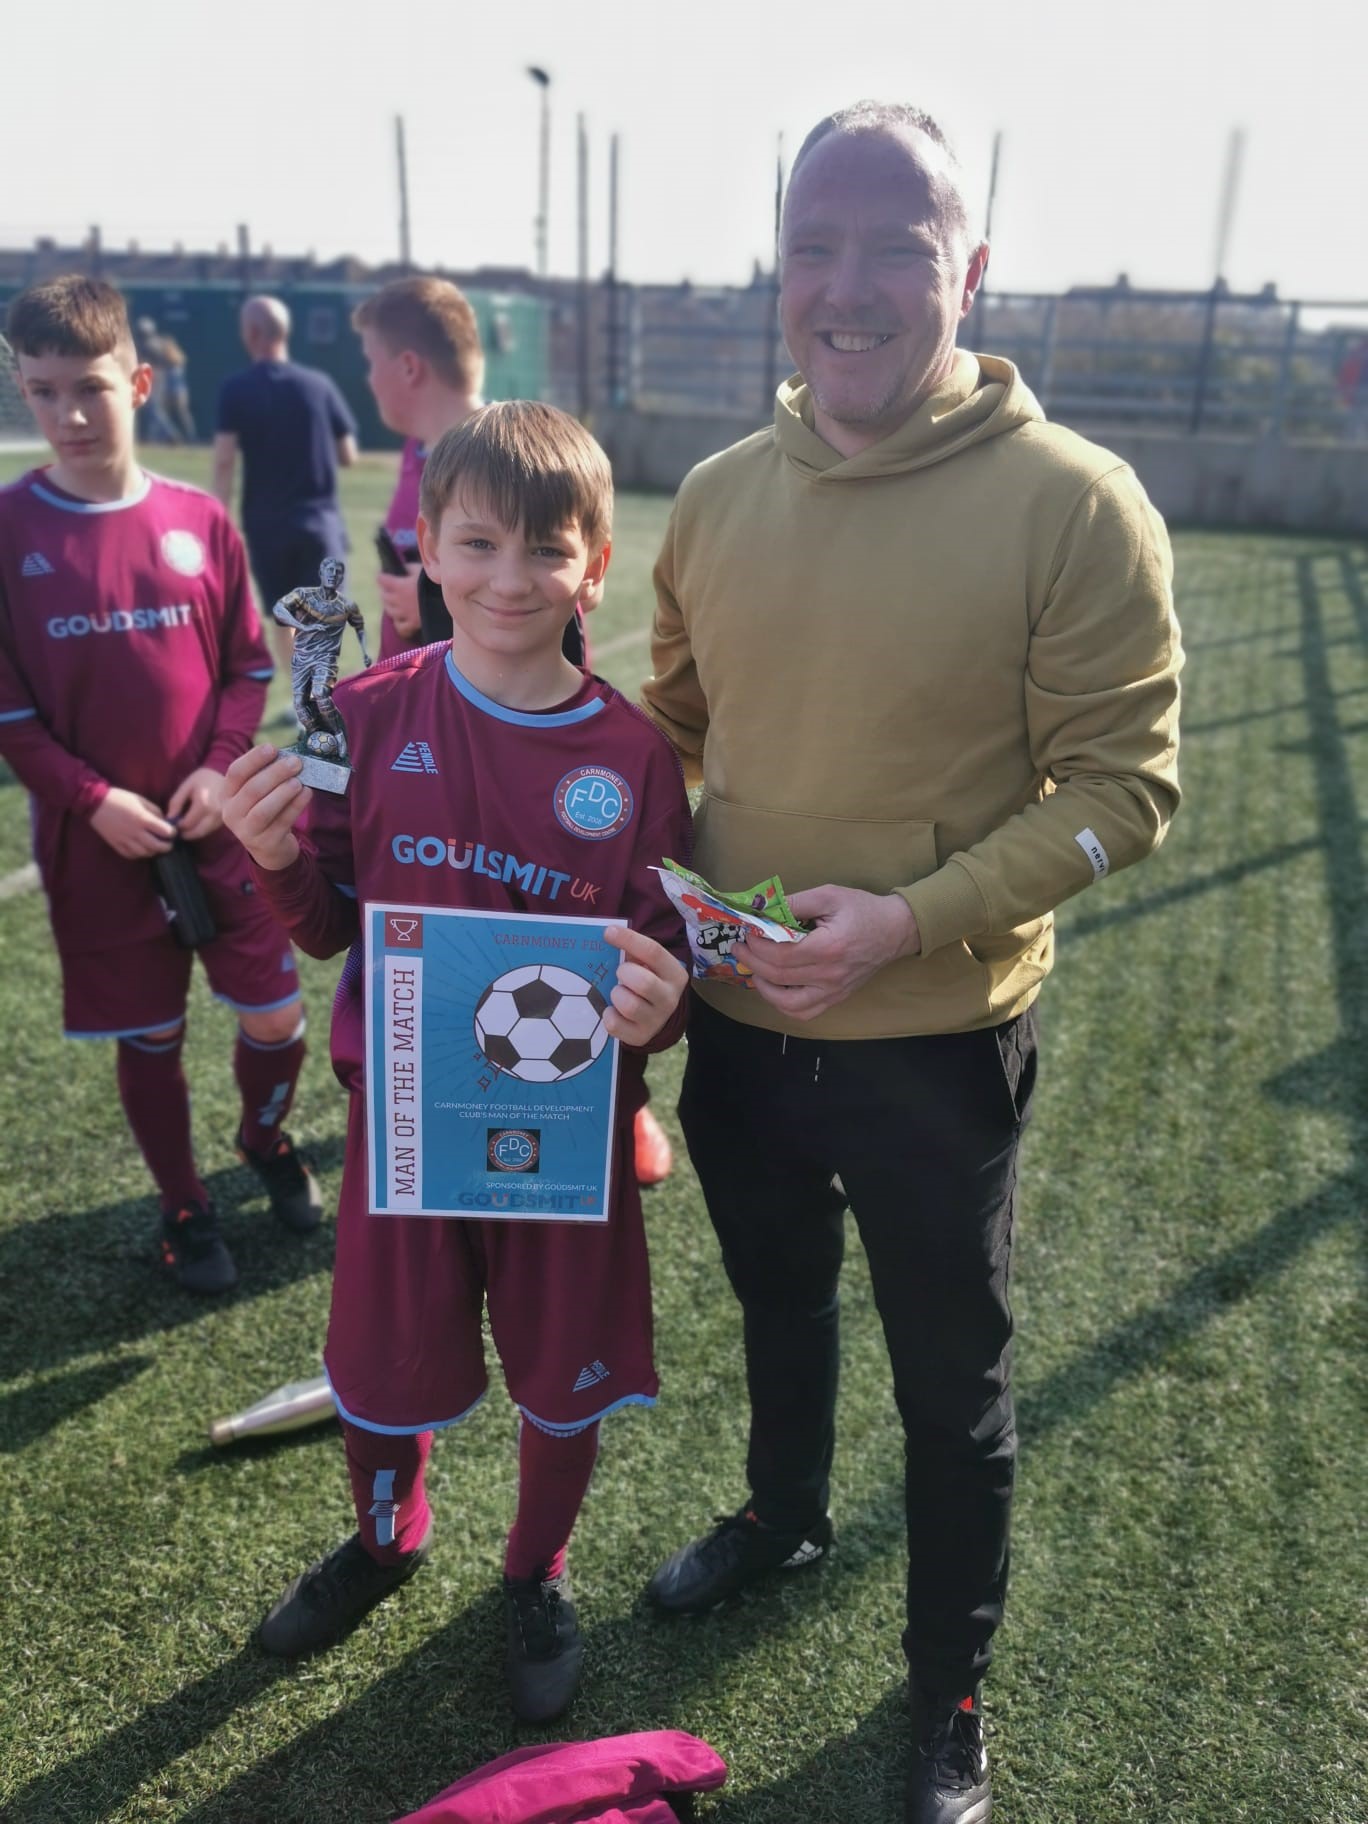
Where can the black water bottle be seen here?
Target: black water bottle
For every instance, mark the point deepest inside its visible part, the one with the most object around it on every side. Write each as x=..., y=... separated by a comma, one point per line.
x=182, y=893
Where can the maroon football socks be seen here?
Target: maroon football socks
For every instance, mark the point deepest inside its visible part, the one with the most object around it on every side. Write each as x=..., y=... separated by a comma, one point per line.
x=266, y=1077
x=156, y=1102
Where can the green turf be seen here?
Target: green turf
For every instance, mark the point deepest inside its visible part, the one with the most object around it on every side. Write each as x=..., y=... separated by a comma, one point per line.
x=1185, y=1636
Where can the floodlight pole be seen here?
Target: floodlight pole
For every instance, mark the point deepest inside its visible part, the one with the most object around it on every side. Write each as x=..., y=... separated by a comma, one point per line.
x=1225, y=215
x=543, y=81
x=583, y=363
x=405, y=246
x=772, y=310
x=615, y=388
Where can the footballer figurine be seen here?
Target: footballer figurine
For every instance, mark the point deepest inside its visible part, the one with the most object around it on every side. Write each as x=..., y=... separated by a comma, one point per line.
x=319, y=618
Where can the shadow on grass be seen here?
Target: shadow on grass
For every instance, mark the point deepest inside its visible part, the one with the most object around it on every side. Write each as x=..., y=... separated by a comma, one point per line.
x=1083, y=925
x=1334, y=1079
x=1145, y=1340
x=856, y=1779
x=1220, y=723
x=438, y=1714
x=72, y=1284
x=87, y=1788
x=31, y=1412
x=442, y=1710
x=1231, y=639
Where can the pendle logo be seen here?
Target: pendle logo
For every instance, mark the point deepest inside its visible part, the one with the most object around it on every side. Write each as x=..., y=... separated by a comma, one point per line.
x=415, y=758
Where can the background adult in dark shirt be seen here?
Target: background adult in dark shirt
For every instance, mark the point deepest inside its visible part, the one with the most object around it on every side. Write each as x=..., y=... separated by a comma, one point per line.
x=294, y=429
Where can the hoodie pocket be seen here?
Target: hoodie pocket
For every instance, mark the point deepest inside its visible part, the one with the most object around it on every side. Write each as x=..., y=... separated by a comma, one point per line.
x=736, y=845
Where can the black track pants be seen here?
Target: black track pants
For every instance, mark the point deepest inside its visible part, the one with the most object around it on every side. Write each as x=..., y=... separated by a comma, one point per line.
x=922, y=1134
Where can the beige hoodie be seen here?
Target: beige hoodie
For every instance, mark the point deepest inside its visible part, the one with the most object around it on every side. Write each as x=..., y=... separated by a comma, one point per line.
x=946, y=667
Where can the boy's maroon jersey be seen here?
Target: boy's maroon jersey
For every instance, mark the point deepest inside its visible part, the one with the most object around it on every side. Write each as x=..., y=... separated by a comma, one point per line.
x=130, y=654
x=456, y=801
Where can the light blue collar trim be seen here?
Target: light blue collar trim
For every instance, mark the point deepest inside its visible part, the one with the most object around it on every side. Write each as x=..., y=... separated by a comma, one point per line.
x=134, y=499
x=519, y=718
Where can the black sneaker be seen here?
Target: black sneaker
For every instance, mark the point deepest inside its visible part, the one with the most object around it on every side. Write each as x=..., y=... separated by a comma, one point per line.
x=328, y=1599
x=289, y=1182
x=545, y=1653
x=193, y=1249
x=739, y=1550
x=949, y=1781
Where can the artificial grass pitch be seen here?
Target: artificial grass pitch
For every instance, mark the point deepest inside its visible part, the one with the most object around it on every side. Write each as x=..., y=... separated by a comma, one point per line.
x=1185, y=1632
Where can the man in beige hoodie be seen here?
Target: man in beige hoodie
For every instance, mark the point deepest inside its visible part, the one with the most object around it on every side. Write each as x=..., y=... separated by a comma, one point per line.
x=919, y=647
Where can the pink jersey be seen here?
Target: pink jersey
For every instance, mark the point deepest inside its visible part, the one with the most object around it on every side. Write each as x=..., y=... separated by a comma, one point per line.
x=401, y=522
x=457, y=801
x=130, y=655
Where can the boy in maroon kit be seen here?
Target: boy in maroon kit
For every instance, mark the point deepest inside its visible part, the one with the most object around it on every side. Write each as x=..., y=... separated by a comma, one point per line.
x=132, y=672
x=492, y=774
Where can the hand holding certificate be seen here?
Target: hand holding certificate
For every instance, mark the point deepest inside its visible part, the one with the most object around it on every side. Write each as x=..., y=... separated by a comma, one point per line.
x=649, y=984
x=491, y=1050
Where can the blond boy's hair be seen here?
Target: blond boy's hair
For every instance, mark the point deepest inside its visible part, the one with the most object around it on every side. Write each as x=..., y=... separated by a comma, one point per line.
x=71, y=315
x=434, y=319
x=529, y=465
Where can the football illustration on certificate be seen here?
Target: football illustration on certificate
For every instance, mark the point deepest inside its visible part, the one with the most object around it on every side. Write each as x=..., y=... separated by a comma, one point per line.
x=491, y=1077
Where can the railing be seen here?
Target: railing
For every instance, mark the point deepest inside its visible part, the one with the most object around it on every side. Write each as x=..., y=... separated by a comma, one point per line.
x=1214, y=361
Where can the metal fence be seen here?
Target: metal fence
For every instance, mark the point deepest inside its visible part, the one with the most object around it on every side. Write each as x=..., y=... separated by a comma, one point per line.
x=1214, y=361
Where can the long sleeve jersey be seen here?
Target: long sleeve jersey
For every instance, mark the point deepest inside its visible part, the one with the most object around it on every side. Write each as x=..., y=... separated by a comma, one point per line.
x=131, y=654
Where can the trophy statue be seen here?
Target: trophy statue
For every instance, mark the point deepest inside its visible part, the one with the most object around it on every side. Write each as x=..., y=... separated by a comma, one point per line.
x=319, y=618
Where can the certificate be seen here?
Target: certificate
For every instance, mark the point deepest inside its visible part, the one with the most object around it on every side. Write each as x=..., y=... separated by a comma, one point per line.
x=490, y=1078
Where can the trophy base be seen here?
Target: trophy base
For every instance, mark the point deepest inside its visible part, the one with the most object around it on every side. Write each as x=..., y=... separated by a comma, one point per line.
x=322, y=775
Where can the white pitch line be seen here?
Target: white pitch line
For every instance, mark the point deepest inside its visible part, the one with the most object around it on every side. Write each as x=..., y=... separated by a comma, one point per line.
x=23, y=880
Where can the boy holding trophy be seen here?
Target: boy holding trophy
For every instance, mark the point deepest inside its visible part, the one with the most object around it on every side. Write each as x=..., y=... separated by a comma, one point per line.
x=489, y=775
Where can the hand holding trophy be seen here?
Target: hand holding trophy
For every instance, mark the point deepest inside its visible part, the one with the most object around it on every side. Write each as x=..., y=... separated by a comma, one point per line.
x=320, y=616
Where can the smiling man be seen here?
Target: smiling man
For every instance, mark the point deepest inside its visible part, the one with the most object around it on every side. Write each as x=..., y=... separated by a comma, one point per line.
x=919, y=646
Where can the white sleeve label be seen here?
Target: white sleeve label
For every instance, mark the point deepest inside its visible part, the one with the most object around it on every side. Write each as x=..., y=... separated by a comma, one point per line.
x=1095, y=853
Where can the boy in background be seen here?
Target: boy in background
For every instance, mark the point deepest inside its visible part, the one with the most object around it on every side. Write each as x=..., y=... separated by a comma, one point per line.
x=425, y=367
x=132, y=672
x=514, y=527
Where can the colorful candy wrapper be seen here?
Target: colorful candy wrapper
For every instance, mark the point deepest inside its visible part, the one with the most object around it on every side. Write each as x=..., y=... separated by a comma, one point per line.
x=715, y=920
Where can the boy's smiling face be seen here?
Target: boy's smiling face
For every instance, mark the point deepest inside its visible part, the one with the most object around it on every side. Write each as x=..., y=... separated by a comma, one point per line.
x=84, y=405
x=509, y=594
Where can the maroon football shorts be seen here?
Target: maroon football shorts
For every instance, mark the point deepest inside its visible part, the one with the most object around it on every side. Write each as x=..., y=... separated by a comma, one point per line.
x=142, y=987
x=569, y=1305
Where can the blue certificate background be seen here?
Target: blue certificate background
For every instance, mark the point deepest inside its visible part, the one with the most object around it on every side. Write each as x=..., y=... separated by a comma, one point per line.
x=460, y=1096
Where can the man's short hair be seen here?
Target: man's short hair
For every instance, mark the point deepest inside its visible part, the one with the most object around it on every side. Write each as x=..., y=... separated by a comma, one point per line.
x=71, y=315
x=434, y=319
x=529, y=465
x=266, y=316
x=893, y=116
